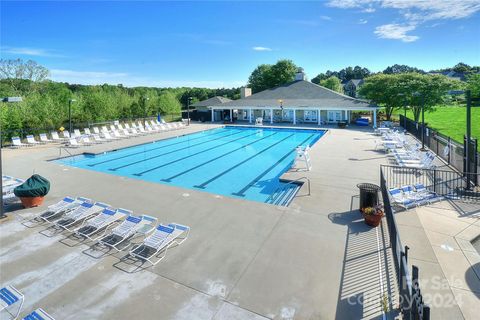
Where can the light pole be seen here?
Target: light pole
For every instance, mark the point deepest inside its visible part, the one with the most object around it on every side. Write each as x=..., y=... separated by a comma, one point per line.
x=189, y=100
x=70, y=114
x=6, y=100
x=422, y=97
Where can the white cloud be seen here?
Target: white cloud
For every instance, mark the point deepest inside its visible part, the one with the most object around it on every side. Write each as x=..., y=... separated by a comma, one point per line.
x=396, y=31
x=416, y=9
x=362, y=21
x=114, y=78
x=24, y=51
x=261, y=49
x=327, y=18
x=412, y=12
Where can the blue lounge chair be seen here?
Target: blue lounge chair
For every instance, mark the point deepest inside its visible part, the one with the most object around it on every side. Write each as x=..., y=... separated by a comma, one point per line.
x=38, y=314
x=400, y=200
x=128, y=229
x=9, y=296
x=427, y=195
x=160, y=241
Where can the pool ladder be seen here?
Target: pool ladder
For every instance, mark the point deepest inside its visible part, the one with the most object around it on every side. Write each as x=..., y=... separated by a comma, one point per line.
x=286, y=192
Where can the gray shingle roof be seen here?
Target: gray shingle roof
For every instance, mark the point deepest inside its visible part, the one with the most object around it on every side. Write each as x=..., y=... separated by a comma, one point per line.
x=299, y=94
x=210, y=102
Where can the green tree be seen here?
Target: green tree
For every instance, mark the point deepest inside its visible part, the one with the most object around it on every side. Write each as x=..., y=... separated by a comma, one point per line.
x=401, y=68
x=332, y=83
x=267, y=76
x=473, y=84
x=392, y=91
x=169, y=104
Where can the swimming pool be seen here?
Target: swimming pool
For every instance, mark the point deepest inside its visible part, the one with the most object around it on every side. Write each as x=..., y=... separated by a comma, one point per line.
x=240, y=162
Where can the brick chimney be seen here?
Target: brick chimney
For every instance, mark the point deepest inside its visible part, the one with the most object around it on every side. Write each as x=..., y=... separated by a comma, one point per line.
x=245, y=92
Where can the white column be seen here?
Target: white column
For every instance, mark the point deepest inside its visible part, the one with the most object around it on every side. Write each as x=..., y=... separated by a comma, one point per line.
x=271, y=116
x=213, y=114
x=319, y=117
x=231, y=115
x=374, y=118
x=294, y=116
x=250, y=115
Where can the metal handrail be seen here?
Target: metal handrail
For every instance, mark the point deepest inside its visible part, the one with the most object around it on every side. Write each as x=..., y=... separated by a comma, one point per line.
x=60, y=151
x=298, y=180
x=291, y=182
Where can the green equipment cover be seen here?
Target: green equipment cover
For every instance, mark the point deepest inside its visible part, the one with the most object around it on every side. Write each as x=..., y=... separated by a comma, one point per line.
x=35, y=186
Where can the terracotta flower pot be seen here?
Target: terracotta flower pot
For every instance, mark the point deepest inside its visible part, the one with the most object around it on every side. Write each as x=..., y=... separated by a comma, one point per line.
x=29, y=202
x=373, y=220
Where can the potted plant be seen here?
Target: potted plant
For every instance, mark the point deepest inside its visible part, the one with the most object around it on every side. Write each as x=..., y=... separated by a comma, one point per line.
x=32, y=191
x=373, y=215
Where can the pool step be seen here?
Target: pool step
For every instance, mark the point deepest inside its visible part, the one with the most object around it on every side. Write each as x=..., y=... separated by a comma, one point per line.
x=284, y=194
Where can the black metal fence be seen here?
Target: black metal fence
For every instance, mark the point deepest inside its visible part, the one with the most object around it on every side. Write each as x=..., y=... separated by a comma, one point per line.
x=410, y=297
x=7, y=134
x=453, y=152
x=450, y=184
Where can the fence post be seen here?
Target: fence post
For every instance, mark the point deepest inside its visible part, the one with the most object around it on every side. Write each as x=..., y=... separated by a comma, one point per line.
x=449, y=149
x=435, y=180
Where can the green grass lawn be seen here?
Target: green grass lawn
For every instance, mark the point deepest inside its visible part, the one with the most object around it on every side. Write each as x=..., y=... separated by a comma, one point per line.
x=451, y=121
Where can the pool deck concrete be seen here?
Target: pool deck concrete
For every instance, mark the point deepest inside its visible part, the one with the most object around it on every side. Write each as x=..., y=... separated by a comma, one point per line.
x=440, y=237
x=315, y=259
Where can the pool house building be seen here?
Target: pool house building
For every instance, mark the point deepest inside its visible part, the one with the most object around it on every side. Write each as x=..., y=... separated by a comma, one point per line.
x=299, y=101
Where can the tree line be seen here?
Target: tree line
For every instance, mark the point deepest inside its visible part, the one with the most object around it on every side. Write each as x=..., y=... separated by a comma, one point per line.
x=45, y=102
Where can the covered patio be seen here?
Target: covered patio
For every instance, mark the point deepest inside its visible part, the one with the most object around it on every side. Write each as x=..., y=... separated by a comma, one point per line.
x=299, y=101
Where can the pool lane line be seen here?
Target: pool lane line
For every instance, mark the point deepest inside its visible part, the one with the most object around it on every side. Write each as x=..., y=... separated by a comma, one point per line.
x=168, y=145
x=169, y=179
x=241, y=193
x=173, y=151
x=202, y=185
x=192, y=155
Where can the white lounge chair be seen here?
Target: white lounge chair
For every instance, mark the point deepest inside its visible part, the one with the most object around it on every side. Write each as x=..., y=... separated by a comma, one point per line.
x=427, y=195
x=98, y=139
x=86, y=141
x=160, y=241
x=44, y=138
x=31, y=140
x=38, y=314
x=73, y=143
x=96, y=130
x=128, y=229
x=87, y=131
x=259, y=121
x=400, y=200
x=66, y=134
x=56, y=137
x=91, y=229
x=17, y=143
x=63, y=206
x=77, y=133
x=10, y=297
x=83, y=212
x=107, y=136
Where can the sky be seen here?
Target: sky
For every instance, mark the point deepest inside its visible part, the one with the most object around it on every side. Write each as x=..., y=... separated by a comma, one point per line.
x=219, y=43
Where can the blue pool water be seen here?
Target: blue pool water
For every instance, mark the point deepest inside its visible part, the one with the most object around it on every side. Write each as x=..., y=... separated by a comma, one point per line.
x=240, y=162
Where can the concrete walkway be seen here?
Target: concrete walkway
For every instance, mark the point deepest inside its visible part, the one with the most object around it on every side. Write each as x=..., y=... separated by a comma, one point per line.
x=440, y=236
x=243, y=260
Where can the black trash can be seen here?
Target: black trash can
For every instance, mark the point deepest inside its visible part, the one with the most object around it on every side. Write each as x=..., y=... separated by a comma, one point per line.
x=368, y=195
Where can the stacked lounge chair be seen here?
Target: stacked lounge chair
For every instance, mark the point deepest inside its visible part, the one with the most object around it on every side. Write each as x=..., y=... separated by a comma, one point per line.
x=132, y=226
